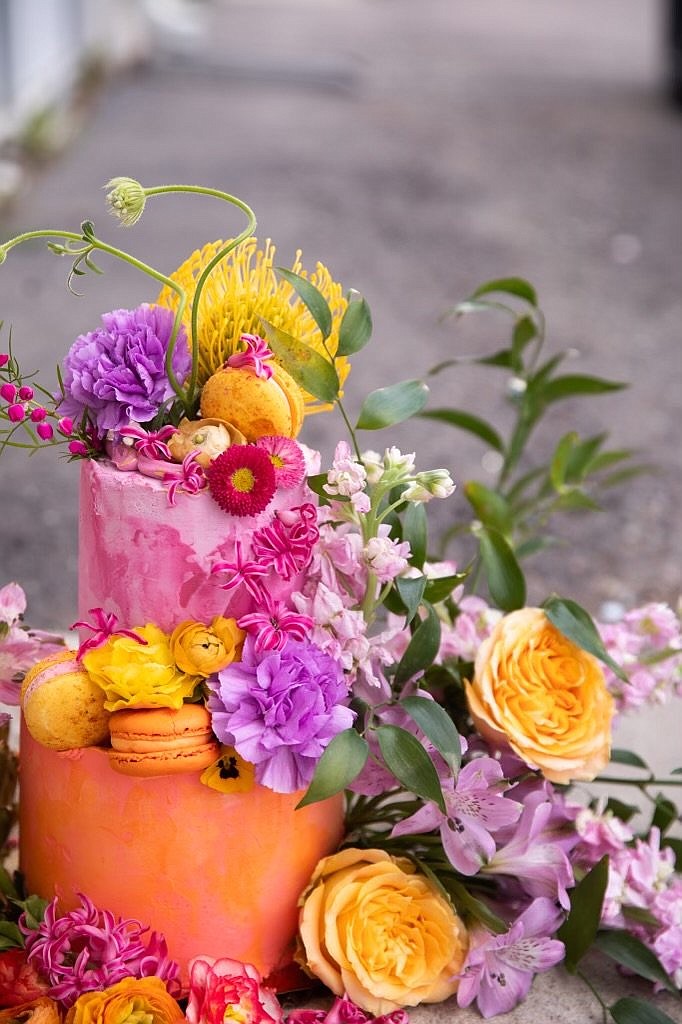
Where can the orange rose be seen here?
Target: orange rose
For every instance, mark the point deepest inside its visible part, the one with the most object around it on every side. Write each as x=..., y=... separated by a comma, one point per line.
x=542, y=695
x=133, y=999
x=202, y=650
x=372, y=927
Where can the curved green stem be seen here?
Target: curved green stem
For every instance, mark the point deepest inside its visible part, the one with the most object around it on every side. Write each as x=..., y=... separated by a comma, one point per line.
x=203, y=277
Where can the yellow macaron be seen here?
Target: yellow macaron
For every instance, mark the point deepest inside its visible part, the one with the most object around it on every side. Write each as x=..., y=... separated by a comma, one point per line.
x=257, y=406
x=63, y=708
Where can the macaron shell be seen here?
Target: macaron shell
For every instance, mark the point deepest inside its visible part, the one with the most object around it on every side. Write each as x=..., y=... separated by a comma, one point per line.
x=153, y=764
x=255, y=406
x=63, y=708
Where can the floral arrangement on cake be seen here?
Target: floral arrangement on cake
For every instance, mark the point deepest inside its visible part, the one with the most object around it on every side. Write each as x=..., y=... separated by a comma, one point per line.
x=346, y=659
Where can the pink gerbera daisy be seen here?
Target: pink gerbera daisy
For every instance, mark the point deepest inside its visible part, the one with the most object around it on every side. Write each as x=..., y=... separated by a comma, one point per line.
x=242, y=480
x=286, y=457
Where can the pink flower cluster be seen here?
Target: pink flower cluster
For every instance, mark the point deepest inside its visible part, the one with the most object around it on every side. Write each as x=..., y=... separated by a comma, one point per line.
x=647, y=644
x=88, y=949
x=19, y=648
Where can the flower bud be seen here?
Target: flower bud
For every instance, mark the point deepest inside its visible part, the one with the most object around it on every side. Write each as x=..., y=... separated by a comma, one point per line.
x=433, y=483
x=8, y=392
x=4, y=358
x=25, y=393
x=65, y=426
x=45, y=431
x=16, y=413
x=38, y=414
x=126, y=200
x=78, y=448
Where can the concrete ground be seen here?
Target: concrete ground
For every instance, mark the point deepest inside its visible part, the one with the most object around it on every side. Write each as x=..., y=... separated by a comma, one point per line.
x=417, y=150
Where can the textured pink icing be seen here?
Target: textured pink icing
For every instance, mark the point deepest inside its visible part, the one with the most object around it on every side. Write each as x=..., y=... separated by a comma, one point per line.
x=149, y=561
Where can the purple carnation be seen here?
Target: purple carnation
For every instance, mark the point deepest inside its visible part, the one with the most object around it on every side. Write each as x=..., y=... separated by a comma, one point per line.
x=117, y=373
x=280, y=709
x=88, y=949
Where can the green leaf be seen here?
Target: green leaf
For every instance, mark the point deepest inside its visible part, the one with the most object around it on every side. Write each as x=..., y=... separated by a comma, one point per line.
x=356, y=327
x=341, y=762
x=560, y=460
x=580, y=927
x=490, y=507
x=510, y=286
x=506, y=581
x=502, y=358
x=582, y=457
x=664, y=815
x=466, y=421
x=467, y=902
x=415, y=530
x=10, y=936
x=629, y=952
x=524, y=332
x=620, y=756
x=574, y=622
x=676, y=846
x=406, y=758
x=4, y=629
x=310, y=370
x=411, y=590
x=313, y=299
x=441, y=587
x=621, y=810
x=578, y=384
x=635, y=1011
x=577, y=499
x=387, y=406
x=316, y=484
x=437, y=726
x=422, y=648
x=7, y=886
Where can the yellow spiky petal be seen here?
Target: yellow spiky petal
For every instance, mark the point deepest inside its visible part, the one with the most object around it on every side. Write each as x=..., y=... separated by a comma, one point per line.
x=242, y=289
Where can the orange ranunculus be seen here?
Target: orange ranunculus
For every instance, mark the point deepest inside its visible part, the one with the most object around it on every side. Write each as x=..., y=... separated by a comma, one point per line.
x=143, y=999
x=39, y=1011
x=542, y=695
x=372, y=927
x=203, y=650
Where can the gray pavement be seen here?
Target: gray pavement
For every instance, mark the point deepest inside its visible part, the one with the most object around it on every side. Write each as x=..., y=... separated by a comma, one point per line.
x=417, y=150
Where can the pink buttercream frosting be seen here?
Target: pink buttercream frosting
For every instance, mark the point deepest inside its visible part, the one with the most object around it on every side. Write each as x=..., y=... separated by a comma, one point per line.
x=146, y=560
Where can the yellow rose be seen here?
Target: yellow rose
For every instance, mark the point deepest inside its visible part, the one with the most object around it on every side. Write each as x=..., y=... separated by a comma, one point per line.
x=538, y=692
x=202, y=650
x=135, y=675
x=372, y=927
x=131, y=1001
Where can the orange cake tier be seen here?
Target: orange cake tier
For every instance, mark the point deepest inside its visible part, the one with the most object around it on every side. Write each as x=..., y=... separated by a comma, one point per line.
x=214, y=873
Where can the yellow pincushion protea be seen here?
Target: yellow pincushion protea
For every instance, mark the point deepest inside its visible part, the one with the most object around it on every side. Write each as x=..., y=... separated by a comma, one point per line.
x=242, y=290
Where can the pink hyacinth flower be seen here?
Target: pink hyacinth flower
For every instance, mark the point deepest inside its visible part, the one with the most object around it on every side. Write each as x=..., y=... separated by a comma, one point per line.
x=242, y=573
x=151, y=443
x=255, y=358
x=105, y=625
x=274, y=624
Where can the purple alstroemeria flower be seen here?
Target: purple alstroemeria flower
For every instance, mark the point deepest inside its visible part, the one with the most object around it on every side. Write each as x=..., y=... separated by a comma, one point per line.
x=535, y=855
x=280, y=709
x=499, y=969
x=117, y=373
x=475, y=807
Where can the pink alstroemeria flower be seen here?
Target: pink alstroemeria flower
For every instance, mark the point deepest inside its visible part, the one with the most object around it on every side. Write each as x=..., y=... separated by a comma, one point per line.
x=222, y=990
x=12, y=603
x=151, y=443
x=255, y=358
x=499, y=969
x=273, y=624
x=475, y=808
x=105, y=625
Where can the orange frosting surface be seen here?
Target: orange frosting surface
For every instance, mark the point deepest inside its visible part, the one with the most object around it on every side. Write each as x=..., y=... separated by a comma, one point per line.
x=216, y=873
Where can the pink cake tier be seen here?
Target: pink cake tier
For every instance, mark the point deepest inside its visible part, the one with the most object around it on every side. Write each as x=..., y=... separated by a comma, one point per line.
x=215, y=873
x=146, y=560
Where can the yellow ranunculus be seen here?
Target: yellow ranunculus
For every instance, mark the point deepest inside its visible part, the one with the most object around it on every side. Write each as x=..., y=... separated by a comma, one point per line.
x=372, y=927
x=542, y=695
x=135, y=675
x=202, y=650
x=130, y=1001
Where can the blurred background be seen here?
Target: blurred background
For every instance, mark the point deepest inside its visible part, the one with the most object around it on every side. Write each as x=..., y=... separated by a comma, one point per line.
x=417, y=150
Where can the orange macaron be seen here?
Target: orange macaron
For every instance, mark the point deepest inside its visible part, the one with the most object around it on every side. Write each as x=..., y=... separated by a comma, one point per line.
x=151, y=742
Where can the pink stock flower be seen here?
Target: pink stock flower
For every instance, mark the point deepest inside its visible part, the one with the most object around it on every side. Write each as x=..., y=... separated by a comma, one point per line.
x=255, y=358
x=475, y=807
x=244, y=573
x=499, y=969
x=150, y=443
x=88, y=949
x=273, y=624
x=347, y=476
x=105, y=625
x=227, y=990
x=287, y=459
x=385, y=557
